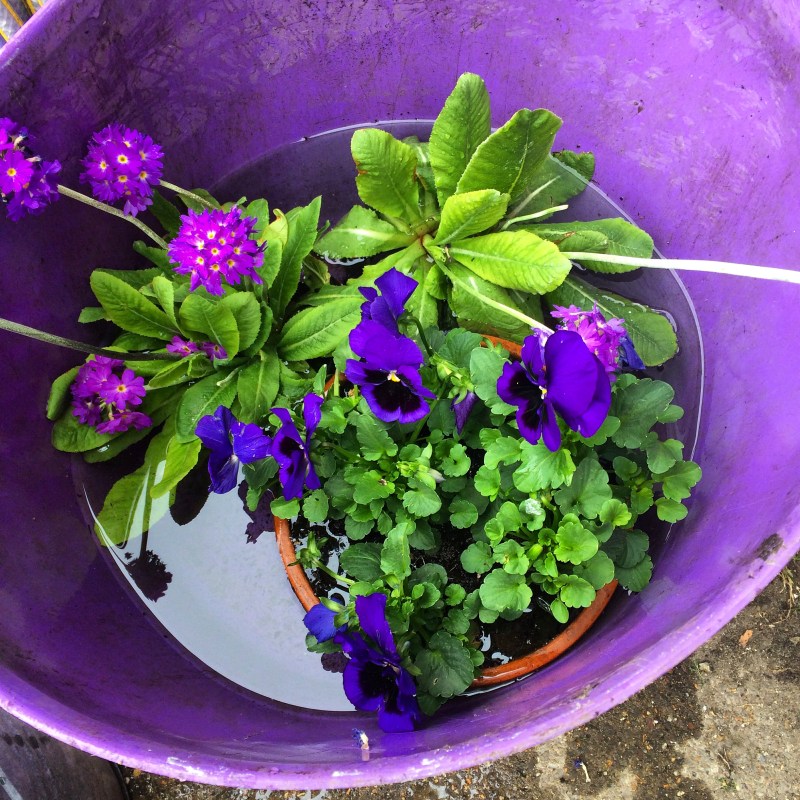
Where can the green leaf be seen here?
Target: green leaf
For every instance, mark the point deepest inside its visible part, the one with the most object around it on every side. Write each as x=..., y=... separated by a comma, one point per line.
x=247, y=313
x=457, y=462
x=271, y=265
x=678, y=481
x=463, y=514
x=469, y=213
x=455, y=594
x=264, y=330
x=613, y=236
x=651, y=333
x=485, y=367
x=301, y=236
x=456, y=622
x=445, y=666
x=173, y=374
x=357, y=530
x=627, y=548
x=179, y=460
x=424, y=168
x=511, y=556
x=543, y=469
x=468, y=296
x=487, y=482
x=360, y=234
x=257, y=387
x=501, y=591
x=386, y=174
x=663, y=455
x=213, y=319
x=508, y=158
x=587, y=492
x=166, y=213
x=559, y=611
x=375, y=442
x=92, y=314
x=670, y=510
x=128, y=510
x=671, y=414
x=461, y=126
x=396, y=554
x=477, y=558
x=70, y=436
x=598, y=570
x=203, y=398
x=60, y=396
x=575, y=592
x=636, y=578
x=315, y=506
x=503, y=450
x=372, y=486
x=575, y=543
x=513, y=260
x=422, y=502
x=285, y=509
x=558, y=178
x=317, y=331
x=615, y=512
x=129, y=309
x=362, y=561
x=164, y=290
x=638, y=405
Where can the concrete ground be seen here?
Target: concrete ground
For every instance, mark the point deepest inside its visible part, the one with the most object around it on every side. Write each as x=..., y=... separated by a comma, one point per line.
x=723, y=724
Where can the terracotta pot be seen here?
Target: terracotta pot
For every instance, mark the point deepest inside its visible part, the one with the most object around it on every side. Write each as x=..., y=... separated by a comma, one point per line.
x=489, y=676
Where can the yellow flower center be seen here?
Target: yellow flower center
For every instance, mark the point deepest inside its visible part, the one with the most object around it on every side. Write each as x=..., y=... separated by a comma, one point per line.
x=393, y=377
x=11, y=172
x=122, y=158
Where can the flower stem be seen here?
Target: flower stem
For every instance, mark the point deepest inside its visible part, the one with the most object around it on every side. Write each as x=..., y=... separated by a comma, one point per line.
x=512, y=312
x=186, y=193
x=721, y=267
x=81, y=347
x=351, y=457
x=536, y=215
x=421, y=334
x=90, y=201
x=317, y=564
x=422, y=422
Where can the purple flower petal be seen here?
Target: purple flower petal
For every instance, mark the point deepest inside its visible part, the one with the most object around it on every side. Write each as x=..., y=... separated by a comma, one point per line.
x=377, y=345
x=250, y=443
x=395, y=289
x=224, y=473
x=371, y=610
x=365, y=684
x=572, y=373
x=462, y=409
x=319, y=621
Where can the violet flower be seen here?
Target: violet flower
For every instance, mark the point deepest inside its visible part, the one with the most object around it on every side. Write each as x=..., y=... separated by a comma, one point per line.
x=123, y=163
x=389, y=375
x=182, y=347
x=462, y=409
x=319, y=621
x=373, y=678
x=231, y=442
x=27, y=183
x=102, y=392
x=214, y=244
x=291, y=451
x=628, y=356
x=385, y=308
x=214, y=350
x=559, y=376
x=603, y=337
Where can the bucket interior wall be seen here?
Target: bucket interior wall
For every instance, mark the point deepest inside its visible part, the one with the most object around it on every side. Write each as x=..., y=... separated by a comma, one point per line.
x=692, y=111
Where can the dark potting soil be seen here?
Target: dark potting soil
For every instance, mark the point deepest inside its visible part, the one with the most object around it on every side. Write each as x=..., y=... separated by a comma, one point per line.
x=499, y=641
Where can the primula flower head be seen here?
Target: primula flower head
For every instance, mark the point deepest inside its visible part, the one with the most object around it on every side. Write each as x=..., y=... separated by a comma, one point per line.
x=603, y=337
x=213, y=245
x=123, y=164
x=556, y=376
x=373, y=678
x=182, y=347
x=102, y=393
x=27, y=183
x=292, y=452
x=214, y=350
x=231, y=442
x=385, y=308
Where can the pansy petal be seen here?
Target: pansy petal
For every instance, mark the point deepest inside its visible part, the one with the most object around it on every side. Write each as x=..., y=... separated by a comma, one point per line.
x=514, y=385
x=224, y=473
x=590, y=420
x=364, y=684
x=529, y=421
x=312, y=479
x=531, y=353
x=250, y=443
x=312, y=414
x=462, y=409
x=292, y=475
x=214, y=432
x=571, y=373
x=288, y=428
x=383, y=348
x=629, y=355
x=551, y=433
x=319, y=621
x=395, y=288
x=371, y=611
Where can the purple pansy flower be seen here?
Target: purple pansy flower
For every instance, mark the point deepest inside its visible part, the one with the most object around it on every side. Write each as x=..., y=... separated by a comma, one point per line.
x=102, y=392
x=292, y=452
x=388, y=375
x=385, y=308
x=123, y=163
x=214, y=244
x=628, y=356
x=27, y=183
x=603, y=337
x=373, y=678
x=231, y=442
x=557, y=376
x=319, y=621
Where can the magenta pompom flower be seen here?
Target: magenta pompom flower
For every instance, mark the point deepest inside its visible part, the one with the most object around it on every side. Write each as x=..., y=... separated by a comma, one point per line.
x=123, y=164
x=103, y=392
x=602, y=336
x=213, y=245
x=27, y=183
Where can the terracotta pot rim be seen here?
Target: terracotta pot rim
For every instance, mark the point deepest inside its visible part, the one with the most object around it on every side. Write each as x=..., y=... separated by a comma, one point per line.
x=490, y=676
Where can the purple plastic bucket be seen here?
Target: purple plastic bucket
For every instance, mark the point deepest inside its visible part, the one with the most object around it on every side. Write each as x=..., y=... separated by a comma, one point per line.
x=692, y=111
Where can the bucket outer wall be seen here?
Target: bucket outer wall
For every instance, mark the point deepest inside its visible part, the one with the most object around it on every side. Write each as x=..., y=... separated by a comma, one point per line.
x=692, y=111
